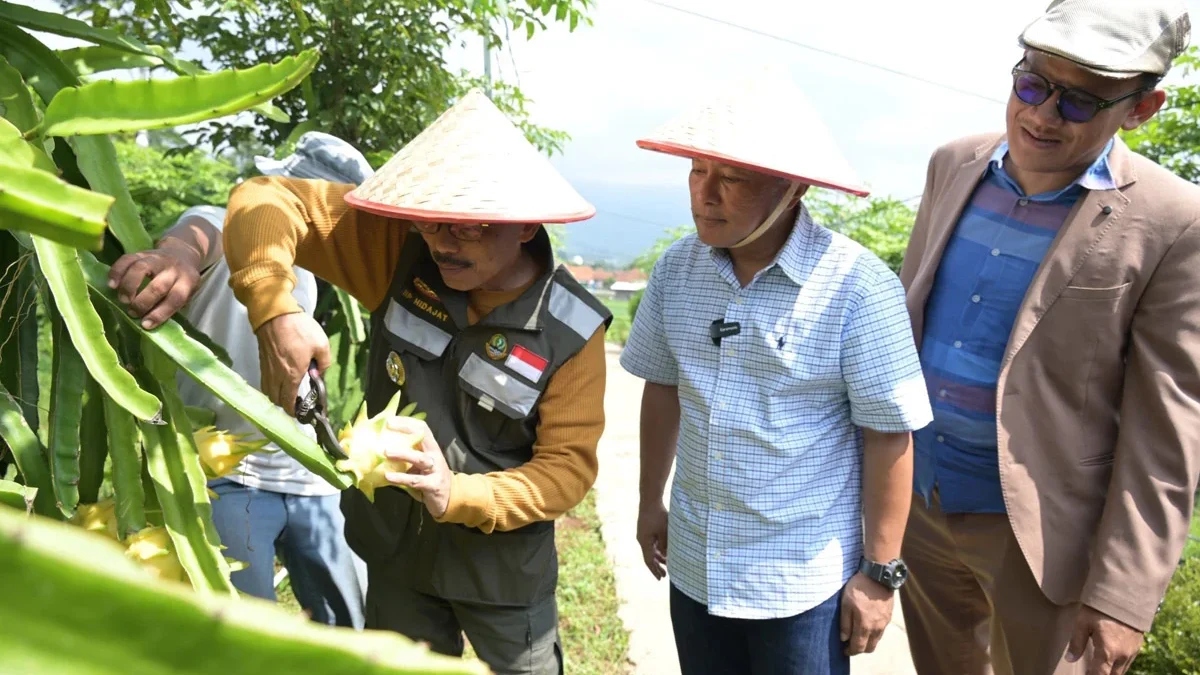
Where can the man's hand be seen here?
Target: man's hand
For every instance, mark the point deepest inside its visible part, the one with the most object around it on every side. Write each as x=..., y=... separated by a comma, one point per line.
x=652, y=535
x=866, y=611
x=174, y=273
x=428, y=474
x=1114, y=644
x=286, y=345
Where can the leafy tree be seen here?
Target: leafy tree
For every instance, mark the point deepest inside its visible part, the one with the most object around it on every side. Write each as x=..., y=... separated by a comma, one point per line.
x=164, y=184
x=880, y=224
x=1172, y=138
x=382, y=77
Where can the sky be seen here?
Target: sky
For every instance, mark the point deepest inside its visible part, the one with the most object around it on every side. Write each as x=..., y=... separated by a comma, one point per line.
x=643, y=62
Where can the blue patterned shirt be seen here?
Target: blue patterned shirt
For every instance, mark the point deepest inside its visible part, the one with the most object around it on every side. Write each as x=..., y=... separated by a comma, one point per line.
x=987, y=267
x=766, y=511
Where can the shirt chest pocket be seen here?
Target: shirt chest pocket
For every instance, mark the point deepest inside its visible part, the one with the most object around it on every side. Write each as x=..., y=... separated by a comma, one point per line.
x=793, y=358
x=497, y=407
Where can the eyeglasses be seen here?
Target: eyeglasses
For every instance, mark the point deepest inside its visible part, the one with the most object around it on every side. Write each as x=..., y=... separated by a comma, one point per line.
x=462, y=232
x=1074, y=105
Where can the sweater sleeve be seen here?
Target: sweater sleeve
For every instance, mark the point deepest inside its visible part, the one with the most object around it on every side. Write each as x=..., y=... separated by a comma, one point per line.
x=275, y=222
x=564, y=463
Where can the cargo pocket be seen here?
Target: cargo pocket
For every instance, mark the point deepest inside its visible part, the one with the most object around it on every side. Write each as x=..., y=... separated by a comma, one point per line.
x=497, y=401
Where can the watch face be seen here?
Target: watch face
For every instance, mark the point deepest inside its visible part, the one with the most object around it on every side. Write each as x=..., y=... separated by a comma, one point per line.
x=899, y=574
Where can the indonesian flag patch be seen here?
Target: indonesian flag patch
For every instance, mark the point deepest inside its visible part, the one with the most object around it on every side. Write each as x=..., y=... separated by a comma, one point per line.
x=526, y=363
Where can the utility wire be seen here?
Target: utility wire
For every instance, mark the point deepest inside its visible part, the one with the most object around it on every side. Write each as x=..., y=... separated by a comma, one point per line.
x=819, y=50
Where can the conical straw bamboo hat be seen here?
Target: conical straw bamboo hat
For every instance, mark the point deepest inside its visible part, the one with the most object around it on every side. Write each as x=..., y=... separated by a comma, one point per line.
x=471, y=166
x=765, y=124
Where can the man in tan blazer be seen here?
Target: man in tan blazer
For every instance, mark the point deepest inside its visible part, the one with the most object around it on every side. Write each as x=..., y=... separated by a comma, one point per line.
x=1053, y=278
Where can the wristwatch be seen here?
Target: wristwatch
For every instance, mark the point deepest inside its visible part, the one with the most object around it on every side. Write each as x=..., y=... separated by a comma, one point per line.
x=890, y=575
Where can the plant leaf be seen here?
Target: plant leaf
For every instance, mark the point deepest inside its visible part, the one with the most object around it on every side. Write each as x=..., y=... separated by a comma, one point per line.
x=28, y=453
x=66, y=413
x=178, y=478
x=223, y=382
x=17, y=496
x=16, y=151
x=113, y=106
x=86, y=593
x=97, y=158
x=63, y=273
x=37, y=202
x=49, y=22
x=353, y=314
x=124, y=447
x=16, y=105
x=93, y=446
x=99, y=59
x=19, y=327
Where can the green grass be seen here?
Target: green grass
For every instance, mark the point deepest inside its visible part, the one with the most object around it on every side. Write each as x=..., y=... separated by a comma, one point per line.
x=618, y=332
x=1193, y=545
x=595, y=641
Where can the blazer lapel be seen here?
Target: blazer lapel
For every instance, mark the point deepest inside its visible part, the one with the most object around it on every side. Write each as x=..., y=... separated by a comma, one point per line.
x=944, y=217
x=1093, y=216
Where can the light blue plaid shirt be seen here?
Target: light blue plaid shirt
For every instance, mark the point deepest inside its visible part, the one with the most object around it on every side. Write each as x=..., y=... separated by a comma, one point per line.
x=765, y=515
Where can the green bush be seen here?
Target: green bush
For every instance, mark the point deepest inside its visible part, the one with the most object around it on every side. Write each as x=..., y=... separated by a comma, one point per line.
x=1173, y=645
x=634, y=302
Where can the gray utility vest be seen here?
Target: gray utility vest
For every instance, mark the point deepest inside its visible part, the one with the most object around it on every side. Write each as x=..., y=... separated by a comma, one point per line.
x=480, y=386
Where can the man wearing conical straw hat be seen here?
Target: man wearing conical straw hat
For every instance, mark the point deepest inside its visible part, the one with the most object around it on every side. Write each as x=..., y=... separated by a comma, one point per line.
x=782, y=377
x=472, y=322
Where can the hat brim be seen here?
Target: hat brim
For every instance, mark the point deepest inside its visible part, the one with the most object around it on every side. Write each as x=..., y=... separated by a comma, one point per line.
x=691, y=152
x=406, y=213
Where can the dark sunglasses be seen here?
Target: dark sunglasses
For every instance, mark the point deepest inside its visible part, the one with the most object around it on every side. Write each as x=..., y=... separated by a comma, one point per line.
x=458, y=231
x=1074, y=105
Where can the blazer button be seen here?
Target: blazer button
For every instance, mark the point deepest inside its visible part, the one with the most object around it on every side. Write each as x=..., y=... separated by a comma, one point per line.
x=1106, y=210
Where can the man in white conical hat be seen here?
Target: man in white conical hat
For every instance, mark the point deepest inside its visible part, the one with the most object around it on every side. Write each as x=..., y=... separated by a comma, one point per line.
x=782, y=378
x=472, y=321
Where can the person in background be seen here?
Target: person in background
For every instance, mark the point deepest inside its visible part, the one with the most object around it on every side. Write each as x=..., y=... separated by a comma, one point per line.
x=271, y=505
x=781, y=376
x=1053, y=280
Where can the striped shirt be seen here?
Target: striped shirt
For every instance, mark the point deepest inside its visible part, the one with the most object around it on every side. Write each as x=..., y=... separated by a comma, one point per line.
x=987, y=267
x=765, y=514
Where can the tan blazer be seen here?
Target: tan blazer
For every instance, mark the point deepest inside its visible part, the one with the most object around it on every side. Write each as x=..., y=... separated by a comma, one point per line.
x=1099, y=393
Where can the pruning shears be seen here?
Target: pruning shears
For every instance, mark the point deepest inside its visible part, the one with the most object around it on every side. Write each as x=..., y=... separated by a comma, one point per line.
x=311, y=410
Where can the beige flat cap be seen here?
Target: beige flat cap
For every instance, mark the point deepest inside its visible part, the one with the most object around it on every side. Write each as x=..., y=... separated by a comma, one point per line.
x=1113, y=38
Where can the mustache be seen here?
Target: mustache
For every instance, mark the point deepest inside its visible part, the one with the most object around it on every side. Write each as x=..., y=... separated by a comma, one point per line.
x=450, y=261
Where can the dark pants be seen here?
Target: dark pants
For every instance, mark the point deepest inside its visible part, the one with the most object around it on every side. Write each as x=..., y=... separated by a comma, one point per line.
x=805, y=644
x=510, y=640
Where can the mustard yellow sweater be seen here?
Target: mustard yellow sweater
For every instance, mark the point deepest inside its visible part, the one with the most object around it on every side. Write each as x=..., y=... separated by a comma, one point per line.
x=274, y=222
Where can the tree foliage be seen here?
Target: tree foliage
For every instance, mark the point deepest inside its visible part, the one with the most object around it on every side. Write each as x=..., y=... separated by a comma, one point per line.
x=383, y=75
x=882, y=225
x=1172, y=138
x=164, y=184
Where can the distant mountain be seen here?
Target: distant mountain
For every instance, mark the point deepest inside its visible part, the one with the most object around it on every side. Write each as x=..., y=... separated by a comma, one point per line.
x=628, y=220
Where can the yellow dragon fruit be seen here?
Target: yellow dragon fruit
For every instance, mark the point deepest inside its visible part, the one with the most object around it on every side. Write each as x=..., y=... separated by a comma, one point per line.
x=365, y=442
x=152, y=548
x=100, y=518
x=221, y=451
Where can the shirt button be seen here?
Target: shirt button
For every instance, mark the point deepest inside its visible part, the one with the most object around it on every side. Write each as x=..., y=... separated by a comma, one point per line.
x=941, y=438
x=1023, y=202
x=718, y=506
x=717, y=555
x=738, y=300
x=995, y=252
x=730, y=352
x=958, y=344
x=718, y=456
x=942, y=393
x=975, y=299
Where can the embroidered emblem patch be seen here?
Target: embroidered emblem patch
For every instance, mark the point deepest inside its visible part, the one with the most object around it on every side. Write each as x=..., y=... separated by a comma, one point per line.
x=497, y=347
x=424, y=288
x=395, y=368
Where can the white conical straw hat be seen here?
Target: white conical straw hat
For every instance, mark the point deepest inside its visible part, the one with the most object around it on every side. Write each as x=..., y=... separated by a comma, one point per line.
x=764, y=125
x=471, y=166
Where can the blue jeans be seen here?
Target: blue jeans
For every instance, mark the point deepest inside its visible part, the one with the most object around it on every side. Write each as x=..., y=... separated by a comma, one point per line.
x=805, y=644
x=307, y=533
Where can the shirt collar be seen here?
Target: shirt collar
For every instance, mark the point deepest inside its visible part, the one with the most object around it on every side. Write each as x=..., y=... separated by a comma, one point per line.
x=1098, y=176
x=790, y=258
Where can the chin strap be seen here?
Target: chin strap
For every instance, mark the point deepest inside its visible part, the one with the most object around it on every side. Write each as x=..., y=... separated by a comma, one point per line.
x=766, y=224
